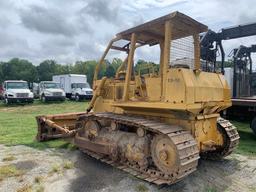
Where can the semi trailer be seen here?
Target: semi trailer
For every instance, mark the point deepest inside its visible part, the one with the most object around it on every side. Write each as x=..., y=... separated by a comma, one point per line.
x=242, y=80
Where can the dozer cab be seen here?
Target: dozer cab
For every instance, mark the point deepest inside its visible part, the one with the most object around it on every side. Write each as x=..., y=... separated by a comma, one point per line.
x=156, y=125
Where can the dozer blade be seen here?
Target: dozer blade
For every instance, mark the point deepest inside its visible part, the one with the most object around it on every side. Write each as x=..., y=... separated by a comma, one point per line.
x=58, y=126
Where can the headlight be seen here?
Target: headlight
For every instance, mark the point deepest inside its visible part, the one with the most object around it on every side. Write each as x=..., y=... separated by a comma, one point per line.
x=63, y=94
x=88, y=92
x=31, y=94
x=47, y=94
x=10, y=95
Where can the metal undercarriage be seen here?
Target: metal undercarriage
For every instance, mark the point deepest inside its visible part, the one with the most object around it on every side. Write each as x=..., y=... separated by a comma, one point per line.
x=148, y=149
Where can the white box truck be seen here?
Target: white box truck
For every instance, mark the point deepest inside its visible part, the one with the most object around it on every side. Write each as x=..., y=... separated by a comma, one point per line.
x=75, y=86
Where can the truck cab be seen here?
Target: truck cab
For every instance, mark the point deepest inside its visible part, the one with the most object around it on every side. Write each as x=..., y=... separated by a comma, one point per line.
x=51, y=91
x=17, y=92
x=80, y=91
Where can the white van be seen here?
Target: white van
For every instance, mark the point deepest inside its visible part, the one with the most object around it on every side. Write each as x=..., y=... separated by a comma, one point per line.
x=75, y=86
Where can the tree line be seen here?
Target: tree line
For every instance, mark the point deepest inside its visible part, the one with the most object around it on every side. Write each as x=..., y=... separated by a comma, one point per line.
x=21, y=69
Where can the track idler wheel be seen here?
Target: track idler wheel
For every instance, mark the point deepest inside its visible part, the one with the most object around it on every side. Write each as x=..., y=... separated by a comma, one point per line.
x=164, y=154
x=92, y=129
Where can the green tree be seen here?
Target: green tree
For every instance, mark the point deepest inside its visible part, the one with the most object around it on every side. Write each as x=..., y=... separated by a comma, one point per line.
x=1, y=72
x=116, y=62
x=46, y=70
x=90, y=68
x=18, y=69
x=79, y=67
x=22, y=69
x=85, y=67
x=63, y=69
x=144, y=66
x=110, y=71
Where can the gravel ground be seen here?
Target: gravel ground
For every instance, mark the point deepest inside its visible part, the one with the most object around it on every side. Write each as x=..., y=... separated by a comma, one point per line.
x=62, y=170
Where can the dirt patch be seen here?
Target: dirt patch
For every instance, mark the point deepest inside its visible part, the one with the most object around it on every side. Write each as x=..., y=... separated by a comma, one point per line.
x=75, y=171
x=26, y=165
x=34, y=164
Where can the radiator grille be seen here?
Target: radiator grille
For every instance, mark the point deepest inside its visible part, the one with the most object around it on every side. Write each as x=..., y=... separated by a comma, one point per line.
x=57, y=94
x=22, y=95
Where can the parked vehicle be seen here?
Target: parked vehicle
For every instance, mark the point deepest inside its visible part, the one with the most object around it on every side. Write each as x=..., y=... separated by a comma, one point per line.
x=51, y=91
x=35, y=90
x=243, y=97
x=16, y=91
x=1, y=91
x=75, y=86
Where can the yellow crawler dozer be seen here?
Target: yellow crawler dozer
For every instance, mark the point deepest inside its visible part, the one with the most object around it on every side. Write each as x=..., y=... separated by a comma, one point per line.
x=154, y=125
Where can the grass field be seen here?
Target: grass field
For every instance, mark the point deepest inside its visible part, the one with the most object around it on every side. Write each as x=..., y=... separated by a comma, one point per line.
x=18, y=125
x=247, y=144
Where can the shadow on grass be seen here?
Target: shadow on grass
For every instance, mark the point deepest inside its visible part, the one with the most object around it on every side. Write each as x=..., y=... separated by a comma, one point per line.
x=245, y=135
x=52, y=144
x=37, y=102
x=51, y=102
x=15, y=104
x=60, y=144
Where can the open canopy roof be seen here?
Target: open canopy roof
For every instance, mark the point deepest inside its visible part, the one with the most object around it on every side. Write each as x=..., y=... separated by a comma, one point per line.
x=153, y=31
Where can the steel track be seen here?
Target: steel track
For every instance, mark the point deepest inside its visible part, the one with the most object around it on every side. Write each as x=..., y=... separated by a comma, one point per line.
x=186, y=146
x=231, y=140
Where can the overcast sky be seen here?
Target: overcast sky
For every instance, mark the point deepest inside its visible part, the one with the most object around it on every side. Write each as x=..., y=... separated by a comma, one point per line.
x=70, y=30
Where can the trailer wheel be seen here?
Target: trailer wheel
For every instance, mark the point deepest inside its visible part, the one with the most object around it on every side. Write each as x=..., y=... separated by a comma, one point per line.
x=253, y=125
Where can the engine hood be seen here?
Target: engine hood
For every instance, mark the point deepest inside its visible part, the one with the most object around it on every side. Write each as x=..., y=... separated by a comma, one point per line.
x=18, y=91
x=53, y=90
x=86, y=89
